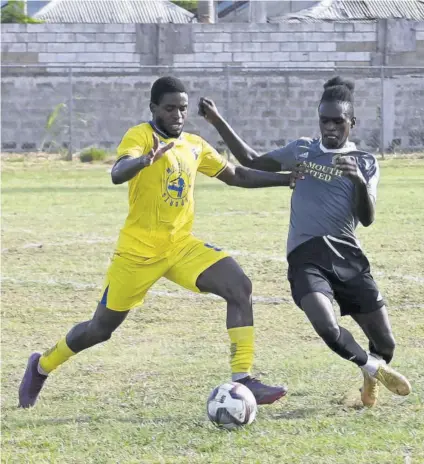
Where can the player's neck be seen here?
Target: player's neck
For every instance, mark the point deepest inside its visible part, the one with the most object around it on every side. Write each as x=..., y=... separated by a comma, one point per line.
x=345, y=148
x=161, y=132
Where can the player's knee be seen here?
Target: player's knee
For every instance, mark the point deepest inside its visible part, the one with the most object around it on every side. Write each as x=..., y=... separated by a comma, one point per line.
x=246, y=286
x=329, y=333
x=99, y=333
x=239, y=290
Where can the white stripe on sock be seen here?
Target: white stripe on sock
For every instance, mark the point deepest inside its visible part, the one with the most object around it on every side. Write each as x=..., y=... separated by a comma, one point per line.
x=372, y=365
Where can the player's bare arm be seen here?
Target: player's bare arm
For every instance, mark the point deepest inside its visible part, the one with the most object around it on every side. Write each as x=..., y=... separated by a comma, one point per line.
x=364, y=201
x=128, y=167
x=240, y=149
x=241, y=176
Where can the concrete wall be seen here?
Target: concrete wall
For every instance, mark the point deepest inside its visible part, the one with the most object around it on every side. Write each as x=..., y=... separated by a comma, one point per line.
x=281, y=45
x=270, y=103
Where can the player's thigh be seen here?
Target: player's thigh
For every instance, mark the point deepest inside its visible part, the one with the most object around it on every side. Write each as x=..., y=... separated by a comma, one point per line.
x=312, y=292
x=227, y=279
x=359, y=295
x=191, y=260
x=307, y=279
x=127, y=282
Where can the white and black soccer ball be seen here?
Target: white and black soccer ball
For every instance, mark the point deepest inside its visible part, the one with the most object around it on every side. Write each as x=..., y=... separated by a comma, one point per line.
x=231, y=405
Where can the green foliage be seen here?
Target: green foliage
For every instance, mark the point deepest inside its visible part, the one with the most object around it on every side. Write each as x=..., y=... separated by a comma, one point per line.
x=54, y=126
x=190, y=5
x=14, y=12
x=53, y=116
x=92, y=154
x=57, y=130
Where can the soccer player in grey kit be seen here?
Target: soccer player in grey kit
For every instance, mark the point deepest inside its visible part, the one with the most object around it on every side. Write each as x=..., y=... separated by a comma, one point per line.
x=324, y=256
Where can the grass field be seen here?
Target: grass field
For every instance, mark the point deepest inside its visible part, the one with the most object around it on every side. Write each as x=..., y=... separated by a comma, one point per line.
x=140, y=398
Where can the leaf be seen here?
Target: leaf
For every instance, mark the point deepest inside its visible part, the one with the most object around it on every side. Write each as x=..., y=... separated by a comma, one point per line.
x=51, y=119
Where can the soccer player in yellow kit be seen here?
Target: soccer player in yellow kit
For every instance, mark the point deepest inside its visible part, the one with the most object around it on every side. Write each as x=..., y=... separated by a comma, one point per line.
x=160, y=162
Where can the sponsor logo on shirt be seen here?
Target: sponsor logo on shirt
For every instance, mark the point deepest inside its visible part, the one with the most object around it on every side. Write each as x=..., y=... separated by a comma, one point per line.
x=325, y=173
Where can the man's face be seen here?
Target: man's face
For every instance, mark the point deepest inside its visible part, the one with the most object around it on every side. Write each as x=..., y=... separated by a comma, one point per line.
x=335, y=123
x=170, y=113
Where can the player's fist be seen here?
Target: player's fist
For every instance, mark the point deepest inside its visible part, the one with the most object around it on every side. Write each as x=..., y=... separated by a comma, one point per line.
x=156, y=152
x=297, y=174
x=349, y=167
x=208, y=110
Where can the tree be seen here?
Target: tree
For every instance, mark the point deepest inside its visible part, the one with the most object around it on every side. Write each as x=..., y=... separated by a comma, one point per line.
x=14, y=12
x=189, y=5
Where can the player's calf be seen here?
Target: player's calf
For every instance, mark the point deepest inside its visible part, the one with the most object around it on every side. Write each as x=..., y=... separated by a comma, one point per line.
x=385, y=348
x=226, y=279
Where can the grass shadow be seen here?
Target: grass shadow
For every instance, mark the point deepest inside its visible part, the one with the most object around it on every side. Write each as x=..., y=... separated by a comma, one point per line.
x=301, y=413
x=19, y=424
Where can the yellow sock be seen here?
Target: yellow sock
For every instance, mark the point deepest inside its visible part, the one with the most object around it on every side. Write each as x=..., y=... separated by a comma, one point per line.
x=242, y=348
x=54, y=357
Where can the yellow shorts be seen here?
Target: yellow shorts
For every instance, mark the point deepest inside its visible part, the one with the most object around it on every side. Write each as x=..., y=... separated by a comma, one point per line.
x=127, y=281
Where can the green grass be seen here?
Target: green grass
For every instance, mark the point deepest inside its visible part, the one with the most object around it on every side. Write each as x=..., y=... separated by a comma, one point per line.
x=140, y=398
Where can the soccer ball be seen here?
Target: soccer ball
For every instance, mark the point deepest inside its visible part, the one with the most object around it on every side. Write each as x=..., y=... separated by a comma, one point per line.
x=231, y=405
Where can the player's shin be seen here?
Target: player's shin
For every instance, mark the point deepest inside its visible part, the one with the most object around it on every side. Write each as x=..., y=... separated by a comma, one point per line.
x=54, y=357
x=242, y=351
x=346, y=347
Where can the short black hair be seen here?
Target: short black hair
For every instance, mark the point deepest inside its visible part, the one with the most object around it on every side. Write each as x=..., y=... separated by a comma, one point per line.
x=163, y=85
x=340, y=90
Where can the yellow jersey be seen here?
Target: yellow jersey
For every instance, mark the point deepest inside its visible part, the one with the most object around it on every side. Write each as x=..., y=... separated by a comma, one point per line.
x=161, y=200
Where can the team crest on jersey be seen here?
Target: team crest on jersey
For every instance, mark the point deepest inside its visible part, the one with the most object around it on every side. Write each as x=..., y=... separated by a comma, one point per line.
x=178, y=184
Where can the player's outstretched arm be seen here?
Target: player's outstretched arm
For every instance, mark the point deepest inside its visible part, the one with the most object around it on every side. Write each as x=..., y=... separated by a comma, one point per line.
x=243, y=152
x=128, y=167
x=241, y=176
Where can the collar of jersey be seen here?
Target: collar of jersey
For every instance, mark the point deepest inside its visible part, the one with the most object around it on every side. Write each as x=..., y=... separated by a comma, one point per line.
x=346, y=148
x=161, y=133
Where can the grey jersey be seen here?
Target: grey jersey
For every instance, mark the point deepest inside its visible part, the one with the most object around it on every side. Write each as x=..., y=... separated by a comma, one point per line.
x=323, y=203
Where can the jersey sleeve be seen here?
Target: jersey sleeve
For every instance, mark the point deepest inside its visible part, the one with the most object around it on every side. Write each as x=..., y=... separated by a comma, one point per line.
x=211, y=162
x=288, y=156
x=370, y=170
x=134, y=143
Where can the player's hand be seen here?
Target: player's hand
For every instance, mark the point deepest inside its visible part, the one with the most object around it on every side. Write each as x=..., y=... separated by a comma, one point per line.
x=296, y=175
x=208, y=110
x=349, y=167
x=156, y=152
